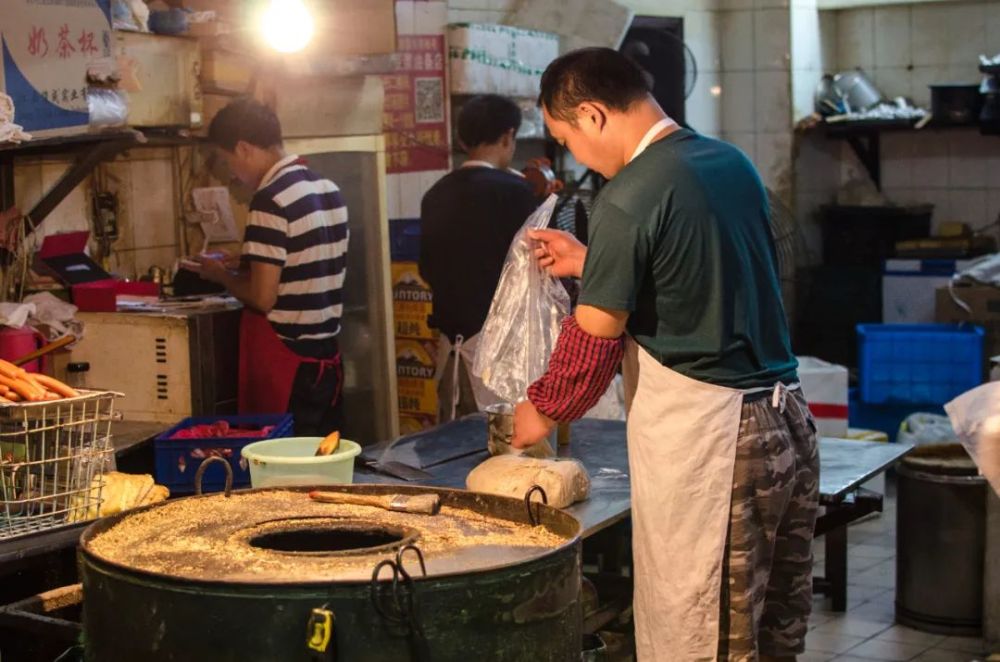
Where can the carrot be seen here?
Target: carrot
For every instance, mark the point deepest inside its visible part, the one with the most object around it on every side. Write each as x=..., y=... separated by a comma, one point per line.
x=23, y=388
x=55, y=386
x=12, y=396
x=30, y=378
x=9, y=370
x=5, y=401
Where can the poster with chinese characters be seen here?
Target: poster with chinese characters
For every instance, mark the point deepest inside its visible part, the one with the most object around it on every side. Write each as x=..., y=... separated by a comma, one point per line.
x=45, y=49
x=414, y=117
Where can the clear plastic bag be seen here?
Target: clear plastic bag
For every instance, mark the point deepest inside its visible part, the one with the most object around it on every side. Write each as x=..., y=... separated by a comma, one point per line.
x=523, y=323
x=975, y=415
x=107, y=107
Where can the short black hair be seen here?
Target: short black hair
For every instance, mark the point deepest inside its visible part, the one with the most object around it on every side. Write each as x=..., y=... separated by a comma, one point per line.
x=248, y=120
x=590, y=74
x=484, y=119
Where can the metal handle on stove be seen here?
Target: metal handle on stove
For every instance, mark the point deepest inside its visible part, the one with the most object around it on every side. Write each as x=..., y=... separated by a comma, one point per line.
x=201, y=472
x=533, y=517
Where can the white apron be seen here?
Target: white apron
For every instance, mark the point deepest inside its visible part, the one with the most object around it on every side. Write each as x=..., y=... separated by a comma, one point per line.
x=466, y=349
x=682, y=450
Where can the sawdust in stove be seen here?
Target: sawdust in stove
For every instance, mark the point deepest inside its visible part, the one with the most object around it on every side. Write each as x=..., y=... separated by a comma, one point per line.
x=209, y=539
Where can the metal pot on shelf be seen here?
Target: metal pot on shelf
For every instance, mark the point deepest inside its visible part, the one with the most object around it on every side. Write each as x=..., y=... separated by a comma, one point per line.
x=857, y=90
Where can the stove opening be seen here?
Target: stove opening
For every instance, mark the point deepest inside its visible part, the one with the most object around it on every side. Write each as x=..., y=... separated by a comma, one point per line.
x=325, y=537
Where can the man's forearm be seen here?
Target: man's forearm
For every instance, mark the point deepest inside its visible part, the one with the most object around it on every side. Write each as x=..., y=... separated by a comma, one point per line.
x=238, y=284
x=579, y=372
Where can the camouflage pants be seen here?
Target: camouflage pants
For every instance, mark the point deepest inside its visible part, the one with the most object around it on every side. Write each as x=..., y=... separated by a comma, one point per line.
x=767, y=566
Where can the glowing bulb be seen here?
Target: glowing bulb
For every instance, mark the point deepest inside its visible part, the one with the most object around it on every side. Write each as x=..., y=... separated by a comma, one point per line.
x=287, y=25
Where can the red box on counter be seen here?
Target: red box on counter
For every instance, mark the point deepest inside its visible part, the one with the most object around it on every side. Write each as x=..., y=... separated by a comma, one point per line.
x=102, y=296
x=93, y=289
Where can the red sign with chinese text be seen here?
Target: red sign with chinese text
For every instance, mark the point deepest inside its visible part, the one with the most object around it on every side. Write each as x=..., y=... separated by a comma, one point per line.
x=414, y=115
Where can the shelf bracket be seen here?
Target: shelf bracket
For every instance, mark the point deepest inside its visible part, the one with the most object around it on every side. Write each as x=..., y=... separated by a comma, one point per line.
x=867, y=148
x=83, y=165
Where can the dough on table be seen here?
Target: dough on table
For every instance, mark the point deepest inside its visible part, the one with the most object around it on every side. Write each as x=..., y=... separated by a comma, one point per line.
x=565, y=481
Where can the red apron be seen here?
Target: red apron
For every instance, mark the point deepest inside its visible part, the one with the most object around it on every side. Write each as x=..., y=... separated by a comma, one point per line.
x=268, y=367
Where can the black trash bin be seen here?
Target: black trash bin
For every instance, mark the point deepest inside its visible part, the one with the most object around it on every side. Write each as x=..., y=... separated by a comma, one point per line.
x=940, y=541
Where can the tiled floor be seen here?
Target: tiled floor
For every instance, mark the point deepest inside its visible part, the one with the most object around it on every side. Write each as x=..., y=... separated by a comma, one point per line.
x=866, y=631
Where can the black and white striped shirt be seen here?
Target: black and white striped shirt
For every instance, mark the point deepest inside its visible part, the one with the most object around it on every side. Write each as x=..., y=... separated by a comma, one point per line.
x=298, y=221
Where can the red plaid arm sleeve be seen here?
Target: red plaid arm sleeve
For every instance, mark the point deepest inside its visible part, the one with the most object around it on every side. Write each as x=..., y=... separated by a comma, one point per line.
x=580, y=370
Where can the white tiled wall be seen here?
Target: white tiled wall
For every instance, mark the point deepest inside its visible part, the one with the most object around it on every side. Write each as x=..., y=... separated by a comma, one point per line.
x=756, y=85
x=905, y=48
x=814, y=53
x=958, y=171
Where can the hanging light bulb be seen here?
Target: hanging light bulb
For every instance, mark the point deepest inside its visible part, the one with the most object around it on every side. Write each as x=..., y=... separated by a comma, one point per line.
x=287, y=25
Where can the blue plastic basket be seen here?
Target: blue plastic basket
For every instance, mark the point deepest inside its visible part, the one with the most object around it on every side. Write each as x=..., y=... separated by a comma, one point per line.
x=918, y=363
x=177, y=460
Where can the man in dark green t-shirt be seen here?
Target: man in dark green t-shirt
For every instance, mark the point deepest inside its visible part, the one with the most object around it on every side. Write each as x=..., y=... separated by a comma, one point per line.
x=679, y=284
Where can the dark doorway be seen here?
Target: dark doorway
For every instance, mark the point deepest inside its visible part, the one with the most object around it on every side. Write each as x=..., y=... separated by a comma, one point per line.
x=656, y=44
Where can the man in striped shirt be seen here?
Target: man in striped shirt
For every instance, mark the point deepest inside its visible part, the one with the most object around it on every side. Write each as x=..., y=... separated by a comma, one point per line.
x=291, y=273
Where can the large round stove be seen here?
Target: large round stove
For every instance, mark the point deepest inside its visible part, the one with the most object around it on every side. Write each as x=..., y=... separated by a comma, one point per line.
x=267, y=574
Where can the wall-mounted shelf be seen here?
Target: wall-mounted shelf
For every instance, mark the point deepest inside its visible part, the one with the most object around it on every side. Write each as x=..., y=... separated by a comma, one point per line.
x=90, y=149
x=864, y=137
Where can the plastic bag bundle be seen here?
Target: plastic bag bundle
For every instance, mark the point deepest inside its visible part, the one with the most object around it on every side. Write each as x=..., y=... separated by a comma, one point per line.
x=523, y=323
x=922, y=429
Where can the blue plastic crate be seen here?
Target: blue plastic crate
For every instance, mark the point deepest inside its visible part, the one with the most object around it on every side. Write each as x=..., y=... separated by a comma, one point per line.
x=404, y=240
x=177, y=460
x=918, y=363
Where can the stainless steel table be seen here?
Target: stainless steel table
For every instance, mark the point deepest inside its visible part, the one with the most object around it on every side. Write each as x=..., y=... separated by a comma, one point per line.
x=449, y=452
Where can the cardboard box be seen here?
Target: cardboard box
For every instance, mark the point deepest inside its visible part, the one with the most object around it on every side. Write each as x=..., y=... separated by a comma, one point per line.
x=43, y=65
x=824, y=386
x=226, y=72
x=984, y=304
x=167, y=69
x=411, y=302
x=415, y=367
x=355, y=27
x=486, y=58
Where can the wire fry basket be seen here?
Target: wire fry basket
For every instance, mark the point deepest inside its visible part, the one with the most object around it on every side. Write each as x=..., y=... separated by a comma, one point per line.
x=53, y=456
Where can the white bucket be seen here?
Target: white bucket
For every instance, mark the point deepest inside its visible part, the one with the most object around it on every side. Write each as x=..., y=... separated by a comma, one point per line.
x=293, y=461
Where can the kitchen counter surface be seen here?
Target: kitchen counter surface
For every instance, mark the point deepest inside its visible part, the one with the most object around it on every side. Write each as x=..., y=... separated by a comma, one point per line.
x=449, y=452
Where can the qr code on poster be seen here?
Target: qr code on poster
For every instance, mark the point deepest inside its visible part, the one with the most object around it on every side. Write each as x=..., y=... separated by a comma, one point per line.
x=429, y=99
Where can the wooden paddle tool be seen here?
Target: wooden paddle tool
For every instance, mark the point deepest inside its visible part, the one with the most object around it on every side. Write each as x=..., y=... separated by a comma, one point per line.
x=416, y=504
